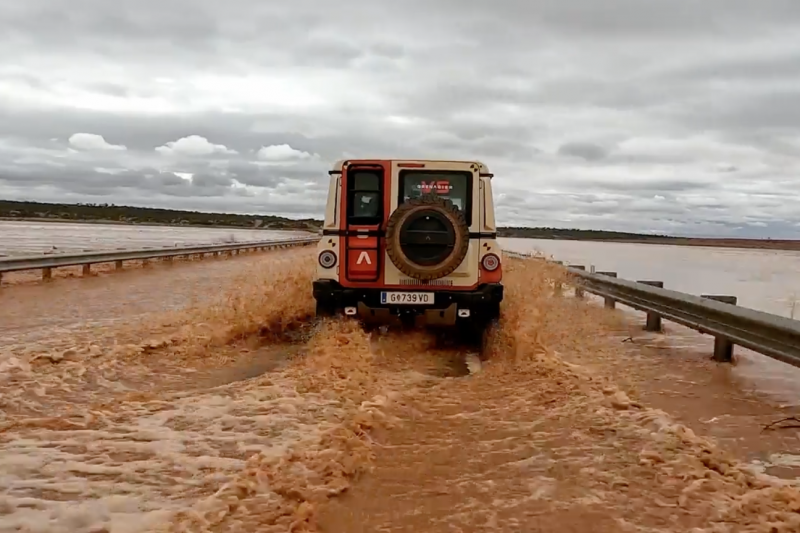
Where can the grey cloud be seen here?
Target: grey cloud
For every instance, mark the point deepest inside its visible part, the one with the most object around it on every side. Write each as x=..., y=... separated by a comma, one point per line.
x=783, y=66
x=654, y=20
x=650, y=185
x=622, y=114
x=774, y=109
x=139, y=132
x=171, y=180
x=70, y=177
x=112, y=89
x=249, y=173
x=583, y=150
x=210, y=180
x=387, y=50
x=446, y=97
x=325, y=52
x=239, y=131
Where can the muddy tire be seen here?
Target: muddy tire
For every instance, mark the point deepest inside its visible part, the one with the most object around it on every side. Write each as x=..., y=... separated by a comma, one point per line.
x=324, y=310
x=487, y=336
x=427, y=238
x=476, y=335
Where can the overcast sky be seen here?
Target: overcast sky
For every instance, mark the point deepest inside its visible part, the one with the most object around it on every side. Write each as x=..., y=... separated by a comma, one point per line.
x=676, y=116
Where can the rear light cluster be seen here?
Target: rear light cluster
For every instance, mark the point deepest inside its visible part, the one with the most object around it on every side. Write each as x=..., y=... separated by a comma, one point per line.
x=490, y=262
x=327, y=259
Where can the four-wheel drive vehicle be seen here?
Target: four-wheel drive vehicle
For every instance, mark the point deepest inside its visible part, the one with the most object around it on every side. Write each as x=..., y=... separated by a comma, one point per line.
x=411, y=240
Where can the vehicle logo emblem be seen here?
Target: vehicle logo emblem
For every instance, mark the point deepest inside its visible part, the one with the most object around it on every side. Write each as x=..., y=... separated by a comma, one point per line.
x=364, y=257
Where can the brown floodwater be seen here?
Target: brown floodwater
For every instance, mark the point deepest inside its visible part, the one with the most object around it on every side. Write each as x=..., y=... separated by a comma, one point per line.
x=766, y=280
x=203, y=397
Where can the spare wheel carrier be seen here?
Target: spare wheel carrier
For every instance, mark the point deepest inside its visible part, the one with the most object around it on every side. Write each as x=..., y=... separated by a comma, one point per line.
x=427, y=238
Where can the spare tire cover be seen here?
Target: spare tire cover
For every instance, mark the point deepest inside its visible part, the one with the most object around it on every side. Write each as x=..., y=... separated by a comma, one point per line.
x=427, y=237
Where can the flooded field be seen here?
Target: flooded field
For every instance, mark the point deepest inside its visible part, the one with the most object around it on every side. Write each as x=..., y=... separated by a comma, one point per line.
x=31, y=238
x=766, y=280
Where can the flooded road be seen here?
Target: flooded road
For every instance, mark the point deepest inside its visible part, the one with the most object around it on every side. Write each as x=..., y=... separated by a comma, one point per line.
x=205, y=397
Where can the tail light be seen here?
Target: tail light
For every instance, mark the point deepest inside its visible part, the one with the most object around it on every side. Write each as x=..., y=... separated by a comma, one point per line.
x=327, y=259
x=490, y=262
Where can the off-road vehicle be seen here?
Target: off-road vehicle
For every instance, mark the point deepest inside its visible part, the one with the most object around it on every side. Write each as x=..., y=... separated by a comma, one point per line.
x=410, y=240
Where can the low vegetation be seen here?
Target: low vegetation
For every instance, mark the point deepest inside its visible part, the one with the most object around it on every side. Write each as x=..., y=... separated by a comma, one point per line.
x=110, y=213
x=575, y=234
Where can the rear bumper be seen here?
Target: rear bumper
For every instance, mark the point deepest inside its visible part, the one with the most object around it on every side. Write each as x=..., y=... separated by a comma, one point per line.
x=481, y=303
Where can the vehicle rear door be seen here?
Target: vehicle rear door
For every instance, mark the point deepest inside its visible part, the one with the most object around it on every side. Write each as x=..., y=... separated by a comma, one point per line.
x=363, y=211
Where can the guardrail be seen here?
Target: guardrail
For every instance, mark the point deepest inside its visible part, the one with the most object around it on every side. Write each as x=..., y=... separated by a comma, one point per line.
x=771, y=335
x=48, y=262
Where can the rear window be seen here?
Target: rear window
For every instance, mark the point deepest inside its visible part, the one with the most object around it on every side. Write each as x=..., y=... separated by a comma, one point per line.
x=455, y=186
x=364, y=197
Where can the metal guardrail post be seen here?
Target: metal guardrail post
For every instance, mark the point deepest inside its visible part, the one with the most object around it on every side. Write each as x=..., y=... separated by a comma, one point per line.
x=723, y=347
x=578, y=288
x=608, y=303
x=558, y=286
x=653, y=322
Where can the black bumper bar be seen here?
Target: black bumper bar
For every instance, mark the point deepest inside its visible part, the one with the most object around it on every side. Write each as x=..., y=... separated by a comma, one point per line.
x=331, y=293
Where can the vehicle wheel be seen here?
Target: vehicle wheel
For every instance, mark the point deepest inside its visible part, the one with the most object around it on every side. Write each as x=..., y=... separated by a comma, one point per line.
x=493, y=311
x=368, y=327
x=486, y=335
x=325, y=310
x=427, y=238
x=475, y=335
x=471, y=333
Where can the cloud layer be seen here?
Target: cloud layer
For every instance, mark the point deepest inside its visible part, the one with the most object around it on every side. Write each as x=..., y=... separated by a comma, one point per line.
x=667, y=116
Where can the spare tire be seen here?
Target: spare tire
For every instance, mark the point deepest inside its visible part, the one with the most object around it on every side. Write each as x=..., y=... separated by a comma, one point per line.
x=427, y=237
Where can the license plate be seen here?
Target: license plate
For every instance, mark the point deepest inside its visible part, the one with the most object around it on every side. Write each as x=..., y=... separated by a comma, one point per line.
x=406, y=298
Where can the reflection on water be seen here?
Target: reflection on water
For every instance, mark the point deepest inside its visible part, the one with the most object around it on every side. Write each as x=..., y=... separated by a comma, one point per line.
x=766, y=280
x=30, y=238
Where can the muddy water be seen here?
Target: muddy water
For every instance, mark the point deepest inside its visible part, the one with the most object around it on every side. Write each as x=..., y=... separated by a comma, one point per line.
x=144, y=402
x=96, y=435
x=238, y=413
x=30, y=238
x=766, y=280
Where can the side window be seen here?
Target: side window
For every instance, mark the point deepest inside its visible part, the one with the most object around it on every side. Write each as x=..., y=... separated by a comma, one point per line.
x=364, y=197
